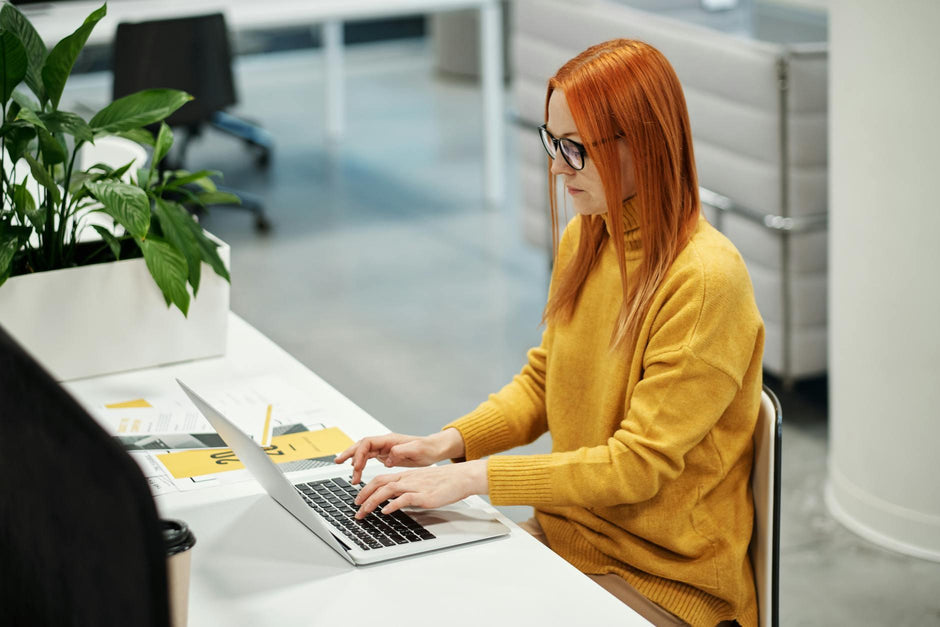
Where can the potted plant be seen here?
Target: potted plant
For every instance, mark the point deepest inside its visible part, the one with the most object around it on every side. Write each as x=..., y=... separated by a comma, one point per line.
x=48, y=201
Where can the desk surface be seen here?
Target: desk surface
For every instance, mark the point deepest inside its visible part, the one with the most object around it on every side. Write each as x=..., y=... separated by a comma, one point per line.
x=253, y=564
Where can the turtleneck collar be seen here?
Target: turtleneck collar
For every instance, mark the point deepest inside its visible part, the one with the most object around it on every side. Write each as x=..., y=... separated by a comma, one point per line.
x=629, y=217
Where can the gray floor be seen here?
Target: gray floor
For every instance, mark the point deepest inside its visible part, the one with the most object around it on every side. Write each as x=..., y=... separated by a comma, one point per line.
x=387, y=275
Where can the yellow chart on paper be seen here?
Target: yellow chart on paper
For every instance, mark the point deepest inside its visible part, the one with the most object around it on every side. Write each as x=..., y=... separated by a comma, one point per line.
x=289, y=447
x=135, y=404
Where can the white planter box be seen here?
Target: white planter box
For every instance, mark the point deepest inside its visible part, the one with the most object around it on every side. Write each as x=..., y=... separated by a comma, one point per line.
x=111, y=317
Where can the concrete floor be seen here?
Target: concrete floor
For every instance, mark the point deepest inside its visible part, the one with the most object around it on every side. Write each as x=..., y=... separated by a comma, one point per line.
x=387, y=275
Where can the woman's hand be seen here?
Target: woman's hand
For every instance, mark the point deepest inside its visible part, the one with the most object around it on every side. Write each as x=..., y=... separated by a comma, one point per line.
x=426, y=488
x=395, y=449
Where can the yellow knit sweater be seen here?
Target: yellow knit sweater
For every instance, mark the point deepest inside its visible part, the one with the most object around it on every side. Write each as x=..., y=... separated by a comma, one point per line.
x=651, y=447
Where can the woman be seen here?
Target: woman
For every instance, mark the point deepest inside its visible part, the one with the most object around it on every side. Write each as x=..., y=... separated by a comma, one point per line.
x=648, y=375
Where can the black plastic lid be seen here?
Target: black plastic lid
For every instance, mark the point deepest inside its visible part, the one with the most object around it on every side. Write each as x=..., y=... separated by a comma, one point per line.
x=177, y=537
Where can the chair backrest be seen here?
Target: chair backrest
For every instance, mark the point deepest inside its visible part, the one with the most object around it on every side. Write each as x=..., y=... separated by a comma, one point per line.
x=190, y=53
x=765, y=487
x=80, y=539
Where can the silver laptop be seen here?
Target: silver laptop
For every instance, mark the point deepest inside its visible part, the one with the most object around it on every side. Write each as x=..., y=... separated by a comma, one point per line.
x=325, y=507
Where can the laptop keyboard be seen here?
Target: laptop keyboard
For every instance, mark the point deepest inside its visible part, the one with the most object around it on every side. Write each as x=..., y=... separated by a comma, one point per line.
x=334, y=499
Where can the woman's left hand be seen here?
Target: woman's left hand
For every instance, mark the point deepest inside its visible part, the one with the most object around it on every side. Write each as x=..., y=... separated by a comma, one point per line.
x=434, y=486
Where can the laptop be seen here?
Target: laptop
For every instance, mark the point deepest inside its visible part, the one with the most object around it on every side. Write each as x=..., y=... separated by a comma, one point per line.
x=325, y=506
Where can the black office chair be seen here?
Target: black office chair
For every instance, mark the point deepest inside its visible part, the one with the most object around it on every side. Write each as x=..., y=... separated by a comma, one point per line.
x=192, y=54
x=80, y=540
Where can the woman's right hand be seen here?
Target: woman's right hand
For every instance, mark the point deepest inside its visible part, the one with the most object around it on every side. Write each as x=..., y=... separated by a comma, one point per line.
x=395, y=449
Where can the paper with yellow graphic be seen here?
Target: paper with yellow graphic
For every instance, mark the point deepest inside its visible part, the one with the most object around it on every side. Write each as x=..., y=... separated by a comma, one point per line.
x=284, y=448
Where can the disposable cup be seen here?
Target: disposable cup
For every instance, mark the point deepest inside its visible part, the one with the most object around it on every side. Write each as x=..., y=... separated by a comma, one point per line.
x=178, y=539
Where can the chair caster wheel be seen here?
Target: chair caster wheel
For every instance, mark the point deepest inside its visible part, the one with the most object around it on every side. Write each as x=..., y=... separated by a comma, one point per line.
x=262, y=224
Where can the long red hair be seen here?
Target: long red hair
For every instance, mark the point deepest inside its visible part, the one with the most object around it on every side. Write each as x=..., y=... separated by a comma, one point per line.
x=625, y=88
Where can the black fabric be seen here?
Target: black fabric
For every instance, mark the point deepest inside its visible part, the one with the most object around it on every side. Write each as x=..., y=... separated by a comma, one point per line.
x=188, y=53
x=80, y=540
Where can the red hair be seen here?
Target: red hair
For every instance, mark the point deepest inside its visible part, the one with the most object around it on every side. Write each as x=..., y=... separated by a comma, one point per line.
x=625, y=88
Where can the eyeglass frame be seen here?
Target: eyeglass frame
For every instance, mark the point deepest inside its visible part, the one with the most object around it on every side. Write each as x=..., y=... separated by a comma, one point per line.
x=550, y=140
x=556, y=143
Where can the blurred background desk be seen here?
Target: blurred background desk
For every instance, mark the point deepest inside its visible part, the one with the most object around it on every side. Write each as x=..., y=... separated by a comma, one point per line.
x=55, y=20
x=253, y=564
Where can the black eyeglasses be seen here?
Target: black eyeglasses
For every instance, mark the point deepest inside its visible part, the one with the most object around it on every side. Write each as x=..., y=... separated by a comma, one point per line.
x=573, y=152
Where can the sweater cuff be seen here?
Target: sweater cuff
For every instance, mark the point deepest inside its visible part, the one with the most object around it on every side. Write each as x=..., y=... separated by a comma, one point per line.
x=520, y=480
x=483, y=431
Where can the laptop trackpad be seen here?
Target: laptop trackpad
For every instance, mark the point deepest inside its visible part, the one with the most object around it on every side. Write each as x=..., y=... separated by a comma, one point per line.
x=458, y=519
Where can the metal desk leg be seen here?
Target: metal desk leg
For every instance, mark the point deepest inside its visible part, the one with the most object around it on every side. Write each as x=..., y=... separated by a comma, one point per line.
x=491, y=78
x=335, y=90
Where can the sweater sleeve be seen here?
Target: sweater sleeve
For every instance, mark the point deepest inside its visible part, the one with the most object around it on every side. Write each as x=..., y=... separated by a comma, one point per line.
x=702, y=338
x=674, y=406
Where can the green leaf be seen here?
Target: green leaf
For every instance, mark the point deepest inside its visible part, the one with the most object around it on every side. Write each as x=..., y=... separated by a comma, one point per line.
x=140, y=135
x=58, y=65
x=13, y=64
x=12, y=239
x=30, y=116
x=143, y=177
x=113, y=243
x=117, y=173
x=218, y=198
x=43, y=177
x=139, y=109
x=104, y=171
x=128, y=204
x=65, y=122
x=202, y=178
x=163, y=144
x=24, y=100
x=17, y=140
x=12, y=20
x=208, y=250
x=188, y=198
x=25, y=207
x=13, y=111
x=9, y=126
x=168, y=268
x=77, y=184
x=53, y=151
x=174, y=221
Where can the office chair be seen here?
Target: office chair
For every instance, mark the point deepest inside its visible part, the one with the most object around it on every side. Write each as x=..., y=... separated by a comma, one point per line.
x=765, y=487
x=192, y=54
x=80, y=540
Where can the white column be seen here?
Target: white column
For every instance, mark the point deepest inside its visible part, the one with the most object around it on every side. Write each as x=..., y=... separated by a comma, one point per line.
x=335, y=89
x=884, y=286
x=491, y=78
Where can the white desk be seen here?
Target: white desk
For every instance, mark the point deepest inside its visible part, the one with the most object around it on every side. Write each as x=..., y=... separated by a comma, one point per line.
x=254, y=565
x=55, y=20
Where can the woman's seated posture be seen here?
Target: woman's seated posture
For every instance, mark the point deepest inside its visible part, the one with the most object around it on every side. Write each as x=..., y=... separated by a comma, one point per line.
x=648, y=375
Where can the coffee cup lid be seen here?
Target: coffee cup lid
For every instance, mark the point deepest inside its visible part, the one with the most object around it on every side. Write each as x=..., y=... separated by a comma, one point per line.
x=177, y=536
